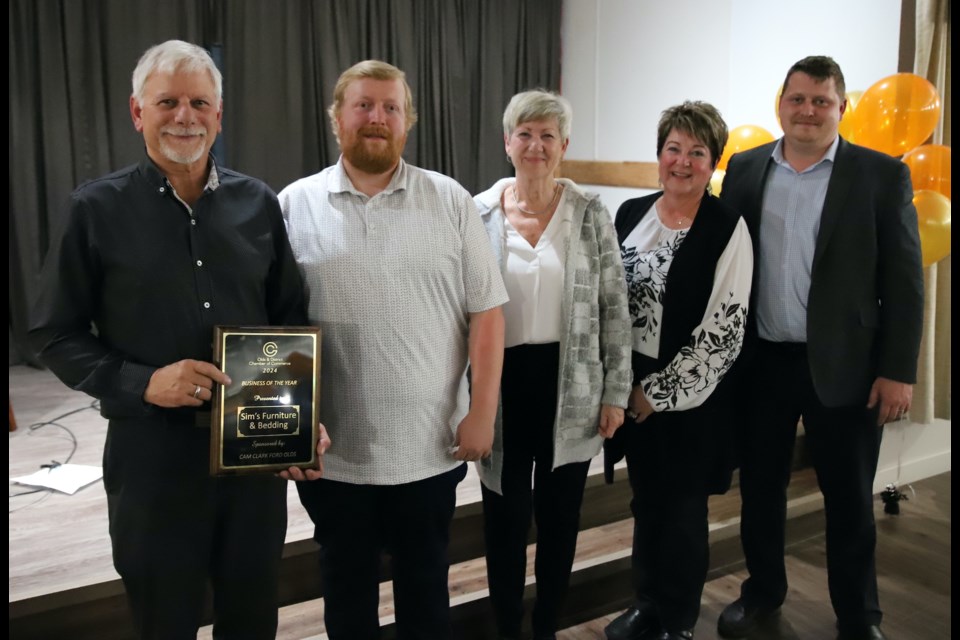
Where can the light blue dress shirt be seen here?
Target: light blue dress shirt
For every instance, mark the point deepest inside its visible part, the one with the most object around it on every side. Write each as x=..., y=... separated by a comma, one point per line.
x=789, y=223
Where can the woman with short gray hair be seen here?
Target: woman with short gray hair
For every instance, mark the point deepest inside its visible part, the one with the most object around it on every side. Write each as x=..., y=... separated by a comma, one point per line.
x=566, y=370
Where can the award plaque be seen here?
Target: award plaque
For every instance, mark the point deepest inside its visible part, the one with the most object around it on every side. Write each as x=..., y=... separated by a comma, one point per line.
x=266, y=419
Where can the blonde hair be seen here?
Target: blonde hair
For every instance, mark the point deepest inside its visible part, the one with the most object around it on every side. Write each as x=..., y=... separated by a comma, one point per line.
x=536, y=106
x=376, y=70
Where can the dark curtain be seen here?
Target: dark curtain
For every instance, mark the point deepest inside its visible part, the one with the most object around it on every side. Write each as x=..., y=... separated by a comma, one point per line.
x=464, y=59
x=70, y=64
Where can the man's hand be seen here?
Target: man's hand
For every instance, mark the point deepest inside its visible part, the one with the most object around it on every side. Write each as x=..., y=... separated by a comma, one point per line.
x=474, y=437
x=638, y=407
x=610, y=420
x=187, y=383
x=893, y=397
x=298, y=474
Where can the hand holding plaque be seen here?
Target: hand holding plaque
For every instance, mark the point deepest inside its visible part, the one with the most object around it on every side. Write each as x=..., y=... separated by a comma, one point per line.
x=266, y=419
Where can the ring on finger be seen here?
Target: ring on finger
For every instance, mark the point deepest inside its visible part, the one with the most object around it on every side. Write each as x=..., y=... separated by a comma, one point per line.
x=196, y=392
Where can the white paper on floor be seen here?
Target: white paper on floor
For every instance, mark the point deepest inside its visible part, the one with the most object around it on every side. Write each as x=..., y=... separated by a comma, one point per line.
x=67, y=478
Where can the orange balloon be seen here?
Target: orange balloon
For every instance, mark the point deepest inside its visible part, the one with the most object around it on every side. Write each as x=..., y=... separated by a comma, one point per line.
x=746, y=136
x=897, y=114
x=930, y=168
x=848, y=122
x=933, y=215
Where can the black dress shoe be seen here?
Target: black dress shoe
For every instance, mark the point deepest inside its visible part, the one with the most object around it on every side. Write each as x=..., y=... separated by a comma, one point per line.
x=634, y=624
x=740, y=618
x=676, y=635
x=869, y=632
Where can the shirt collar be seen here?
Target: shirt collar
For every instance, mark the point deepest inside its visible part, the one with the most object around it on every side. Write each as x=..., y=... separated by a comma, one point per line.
x=213, y=180
x=340, y=181
x=831, y=154
x=159, y=181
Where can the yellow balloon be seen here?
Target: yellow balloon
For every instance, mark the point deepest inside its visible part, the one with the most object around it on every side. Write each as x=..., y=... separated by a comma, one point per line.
x=776, y=105
x=716, y=182
x=897, y=114
x=848, y=123
x=853, y=97
x=930, y=168
x=746, y=136
x=933, y=216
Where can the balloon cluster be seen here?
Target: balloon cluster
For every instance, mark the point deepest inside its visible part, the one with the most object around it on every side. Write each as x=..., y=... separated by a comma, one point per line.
x=894, y=116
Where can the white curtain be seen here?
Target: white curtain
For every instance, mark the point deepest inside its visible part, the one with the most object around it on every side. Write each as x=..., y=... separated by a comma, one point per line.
x=932, y=61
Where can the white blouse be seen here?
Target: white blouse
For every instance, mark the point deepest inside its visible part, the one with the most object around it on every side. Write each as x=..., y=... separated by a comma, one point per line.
x=689, y=379
x=534, y=280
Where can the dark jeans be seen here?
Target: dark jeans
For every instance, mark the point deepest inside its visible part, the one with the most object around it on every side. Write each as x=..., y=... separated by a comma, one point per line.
x=355, y=523
x=844, y=443
x=529, y=398
x=173, y=528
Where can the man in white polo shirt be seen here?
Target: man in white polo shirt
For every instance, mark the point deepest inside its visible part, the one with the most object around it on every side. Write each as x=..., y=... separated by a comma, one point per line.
x=402, y=280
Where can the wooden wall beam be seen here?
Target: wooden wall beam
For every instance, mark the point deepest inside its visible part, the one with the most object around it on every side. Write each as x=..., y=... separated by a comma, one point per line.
x=639, y=175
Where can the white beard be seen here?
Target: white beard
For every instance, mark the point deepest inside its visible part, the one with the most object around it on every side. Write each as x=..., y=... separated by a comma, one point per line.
x=180, y=156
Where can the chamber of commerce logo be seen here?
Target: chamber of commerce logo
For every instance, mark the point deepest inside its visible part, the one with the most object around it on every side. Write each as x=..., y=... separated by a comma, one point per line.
x=270, y=349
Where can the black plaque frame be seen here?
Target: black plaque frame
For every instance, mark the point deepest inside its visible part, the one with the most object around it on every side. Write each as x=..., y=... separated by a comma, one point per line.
x=266, y=419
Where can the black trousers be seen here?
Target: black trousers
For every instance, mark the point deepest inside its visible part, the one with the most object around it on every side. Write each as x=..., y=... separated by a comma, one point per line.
x=670, y=533
x=845, y=445
x=529, y=399
x=174, y=528
x=355, y=523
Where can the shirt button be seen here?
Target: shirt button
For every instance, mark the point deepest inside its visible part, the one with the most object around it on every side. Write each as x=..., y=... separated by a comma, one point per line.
x=206, y=305
x=193, y=221
x=163, y=189
x=199, y=263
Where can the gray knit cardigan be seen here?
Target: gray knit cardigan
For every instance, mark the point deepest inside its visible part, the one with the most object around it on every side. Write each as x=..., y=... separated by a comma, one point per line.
x=595, y=340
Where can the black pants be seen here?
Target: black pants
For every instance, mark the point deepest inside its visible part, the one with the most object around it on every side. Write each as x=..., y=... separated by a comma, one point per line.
x=670, y=532
x=173, y=528
x=845, y=445
x=529, y=398
x=355, y=523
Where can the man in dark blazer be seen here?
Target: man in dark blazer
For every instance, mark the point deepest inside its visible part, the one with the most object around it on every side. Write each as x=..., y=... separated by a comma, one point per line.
x=834, y=329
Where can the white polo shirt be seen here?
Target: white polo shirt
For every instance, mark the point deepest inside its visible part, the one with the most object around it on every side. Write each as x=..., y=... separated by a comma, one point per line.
x=391, y=280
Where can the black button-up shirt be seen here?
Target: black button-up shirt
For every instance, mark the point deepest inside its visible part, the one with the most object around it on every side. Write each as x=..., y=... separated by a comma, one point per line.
x=137, y=281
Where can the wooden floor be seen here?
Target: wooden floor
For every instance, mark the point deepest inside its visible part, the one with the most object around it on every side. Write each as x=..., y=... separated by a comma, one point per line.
x=59, y=542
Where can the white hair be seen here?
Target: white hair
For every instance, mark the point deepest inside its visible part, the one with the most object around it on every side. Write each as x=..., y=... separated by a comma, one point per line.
x=171, y=56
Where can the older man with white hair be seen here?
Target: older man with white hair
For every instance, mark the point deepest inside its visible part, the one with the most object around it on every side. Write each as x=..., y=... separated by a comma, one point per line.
x=150, y=259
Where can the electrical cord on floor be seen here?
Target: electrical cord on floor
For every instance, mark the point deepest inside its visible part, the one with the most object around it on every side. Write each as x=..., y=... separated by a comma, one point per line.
x=892, y=496
x=95, y=405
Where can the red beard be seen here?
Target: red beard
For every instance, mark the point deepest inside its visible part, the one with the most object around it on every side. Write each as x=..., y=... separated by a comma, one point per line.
x=372, y=156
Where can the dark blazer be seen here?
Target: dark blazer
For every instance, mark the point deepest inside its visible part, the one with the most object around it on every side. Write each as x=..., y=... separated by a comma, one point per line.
x=865, y=306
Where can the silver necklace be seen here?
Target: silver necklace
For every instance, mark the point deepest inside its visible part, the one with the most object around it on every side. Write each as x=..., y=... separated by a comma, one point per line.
x=679, y=221
x=556, y=192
